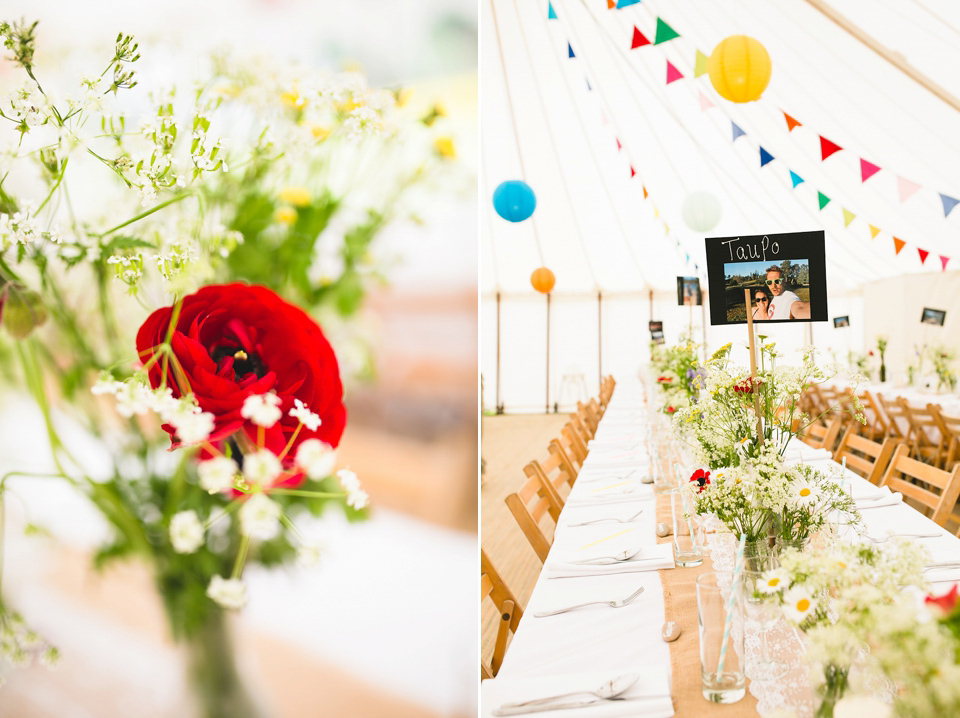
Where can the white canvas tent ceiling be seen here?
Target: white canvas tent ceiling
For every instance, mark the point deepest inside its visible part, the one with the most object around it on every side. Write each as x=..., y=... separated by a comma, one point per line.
x=554, y=121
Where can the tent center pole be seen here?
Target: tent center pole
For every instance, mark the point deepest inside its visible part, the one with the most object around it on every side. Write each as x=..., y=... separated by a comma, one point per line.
x=548, y=353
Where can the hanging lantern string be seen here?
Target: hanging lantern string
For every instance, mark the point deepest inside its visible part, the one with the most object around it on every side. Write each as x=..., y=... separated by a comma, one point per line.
x=610, y=114
x=886, y=266
x=853, y=269
x=553, y=146
x=596, y=163
x=513, y=119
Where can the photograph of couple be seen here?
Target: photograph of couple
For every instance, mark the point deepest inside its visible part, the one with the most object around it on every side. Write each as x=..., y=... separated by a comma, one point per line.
x=779, y=292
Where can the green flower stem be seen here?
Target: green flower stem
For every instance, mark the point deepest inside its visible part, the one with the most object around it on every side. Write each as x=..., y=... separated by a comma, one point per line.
x=147, y=213
x=288, y=522
x=106, y=309
x=308, y=494
x=241, y=556
x=34, y=382
x=53, y=189
x=227, y=510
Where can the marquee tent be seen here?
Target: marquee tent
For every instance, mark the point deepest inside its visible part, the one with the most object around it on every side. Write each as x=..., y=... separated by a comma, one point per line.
x=606, y=110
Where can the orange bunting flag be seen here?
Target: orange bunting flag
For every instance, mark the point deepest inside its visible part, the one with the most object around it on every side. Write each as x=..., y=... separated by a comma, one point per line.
x=611, y=4
x=867, y=170
x=923, y=254
x=848, y=217
x=898, y=243
x=638, y=39
x=943, y=262
x=874, y=231
x=645, y=195
x=791, y=123
x=673, y=74
x=827, y=148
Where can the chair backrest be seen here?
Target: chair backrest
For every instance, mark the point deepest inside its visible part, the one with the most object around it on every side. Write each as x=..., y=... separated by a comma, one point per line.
x=902, y=469
x=893, y=411
x=865, y=457
x=509, y=613
x=589, y=418
x=876, y=426
x=574, y=443
x=606, y=390
x=555, y=474
x=565, y=452
x=950, y=433
x=582, y=429
x=536, y=502
x=923, y=435
x=822, y=437
x=818, y=405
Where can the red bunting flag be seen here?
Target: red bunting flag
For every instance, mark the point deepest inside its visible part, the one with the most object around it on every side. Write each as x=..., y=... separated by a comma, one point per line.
x=638, y=39
x=673, y=74
x=943, y=261
x=867, y=170
x=791, y=123
x=633, y=172
x=923, y=254
x=619, y=146
x=827, y=148
x=898, y=243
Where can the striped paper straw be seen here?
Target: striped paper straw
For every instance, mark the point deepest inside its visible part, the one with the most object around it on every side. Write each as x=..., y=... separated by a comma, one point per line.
x=728, y=620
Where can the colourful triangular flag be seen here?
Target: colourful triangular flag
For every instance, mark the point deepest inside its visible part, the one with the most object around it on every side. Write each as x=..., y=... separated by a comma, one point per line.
x=847, y=217
x=923, y=254
x=867, y=170
x=639, y=39
x=736, y=131
x=673, y=74
x=943, y=262
x=645, y=195
x=791, y=123
x=625, y=3
x=611, y=4
x=823, y=199
x=700, y=64
x=633, y=172
x=619, y=146
x=906, y=187
x=874, y=231
x=551, y=15
x=705, y=103
x=664, y=32
x=795, y=178
x=589, y=89
x=656, y=213
x=765, y=157
x=827, y=148
x=898, y=243
x=570, y=50
x=948, y=203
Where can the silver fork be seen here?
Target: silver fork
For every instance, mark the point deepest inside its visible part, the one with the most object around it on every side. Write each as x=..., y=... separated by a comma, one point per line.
x=597, y=521
x=619, y=603
x=887, y=538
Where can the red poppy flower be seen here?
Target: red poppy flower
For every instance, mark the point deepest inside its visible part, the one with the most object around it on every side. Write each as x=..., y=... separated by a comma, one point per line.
x=232, y=341
x=671, y=409
x=947, y=602
x=664, y=379
x=702, y=478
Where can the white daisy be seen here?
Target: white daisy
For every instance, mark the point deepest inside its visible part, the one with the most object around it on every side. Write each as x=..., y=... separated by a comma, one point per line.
x=804, y=494
x=798, y=604
x=773, y=581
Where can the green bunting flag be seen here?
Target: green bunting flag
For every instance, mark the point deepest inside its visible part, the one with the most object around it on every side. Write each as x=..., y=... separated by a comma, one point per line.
x=823, y=199
x=664, y=32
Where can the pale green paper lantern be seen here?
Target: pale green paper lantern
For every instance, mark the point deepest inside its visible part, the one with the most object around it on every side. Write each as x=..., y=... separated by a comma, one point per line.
x=701, y=211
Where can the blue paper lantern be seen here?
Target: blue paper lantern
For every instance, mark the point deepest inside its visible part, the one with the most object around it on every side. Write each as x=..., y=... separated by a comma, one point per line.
x=514, y=200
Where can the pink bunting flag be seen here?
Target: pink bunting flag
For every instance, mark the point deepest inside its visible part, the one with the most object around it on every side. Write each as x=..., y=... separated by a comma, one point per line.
x=923, y=255
x=943, y=262
x=619, y=146
x=673, y=74
x=705, y=103
x=867, y=170
x=907, y=188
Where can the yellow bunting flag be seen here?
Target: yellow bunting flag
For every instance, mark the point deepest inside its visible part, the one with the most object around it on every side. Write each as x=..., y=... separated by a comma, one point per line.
x=847, y=217
x=874, y=231
x=700, y=65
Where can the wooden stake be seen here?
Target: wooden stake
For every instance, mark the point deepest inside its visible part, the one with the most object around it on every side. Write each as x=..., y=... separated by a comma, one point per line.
x=753, y=367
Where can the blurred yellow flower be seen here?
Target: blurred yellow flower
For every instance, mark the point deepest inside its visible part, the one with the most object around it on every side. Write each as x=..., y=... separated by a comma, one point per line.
x=297, y=196
x=444, y=147
x=403, y=96
x=285, y=215
x=293, y=100
x=319, y=132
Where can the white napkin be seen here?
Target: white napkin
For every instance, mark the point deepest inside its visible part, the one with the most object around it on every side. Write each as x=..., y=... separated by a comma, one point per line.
x=798, y=452
x=613, y=494
x=651, y=558
x=890, y=500
x=654, y=681
x=616, y=441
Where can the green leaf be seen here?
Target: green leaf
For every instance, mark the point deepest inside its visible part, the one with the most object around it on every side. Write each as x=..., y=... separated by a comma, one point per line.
x=125, y=242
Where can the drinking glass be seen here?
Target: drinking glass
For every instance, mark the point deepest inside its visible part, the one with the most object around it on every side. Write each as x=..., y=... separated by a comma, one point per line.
x=720, y=625
x=764, y=612
x=687, y=531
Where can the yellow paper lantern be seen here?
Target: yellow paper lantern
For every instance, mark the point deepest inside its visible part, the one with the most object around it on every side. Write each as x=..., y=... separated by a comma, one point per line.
x=739, y=69
x=542, y=280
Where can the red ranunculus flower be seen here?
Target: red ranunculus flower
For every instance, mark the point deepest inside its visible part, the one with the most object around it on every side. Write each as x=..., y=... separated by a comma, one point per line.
x=664, y=379
x=947, y=602
x=702, y=478
x=235, y=340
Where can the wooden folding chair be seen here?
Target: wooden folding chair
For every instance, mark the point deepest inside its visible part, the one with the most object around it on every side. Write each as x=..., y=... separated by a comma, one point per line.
x=575, y=444
x=876, y=427
x=606, y=391
x=902, y=474
x=865, y=457
x=925, y=445
x=508, y=609
x=818, y=407
x=893, y=411
x=582, y=429
x=535, y=503
x=820, y=437
x=565, y=450
x=589, y=417
x=556, y=472
x=950, y=433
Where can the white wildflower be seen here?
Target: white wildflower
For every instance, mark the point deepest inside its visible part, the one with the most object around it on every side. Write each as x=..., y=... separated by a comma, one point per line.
x=228, y=592
x=217, y=474
x=262, y=409
x=773, y=581
x=260, y=517
x=302, y=413
x=193, y=425
x=309, y=555
x=798, y=603
x=261, y=467
x=316, y=458
x=186, y=532
x=356, y=497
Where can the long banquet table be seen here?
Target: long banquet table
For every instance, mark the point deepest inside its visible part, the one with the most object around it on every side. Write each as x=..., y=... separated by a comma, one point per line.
x=583, y=648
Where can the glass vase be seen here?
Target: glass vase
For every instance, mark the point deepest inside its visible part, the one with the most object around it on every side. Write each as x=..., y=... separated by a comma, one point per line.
x=832, y=690
x=219, y=690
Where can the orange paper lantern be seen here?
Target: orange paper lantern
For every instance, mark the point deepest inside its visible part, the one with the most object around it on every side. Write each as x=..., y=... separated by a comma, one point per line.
x=542, y=280
x=739, y=68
